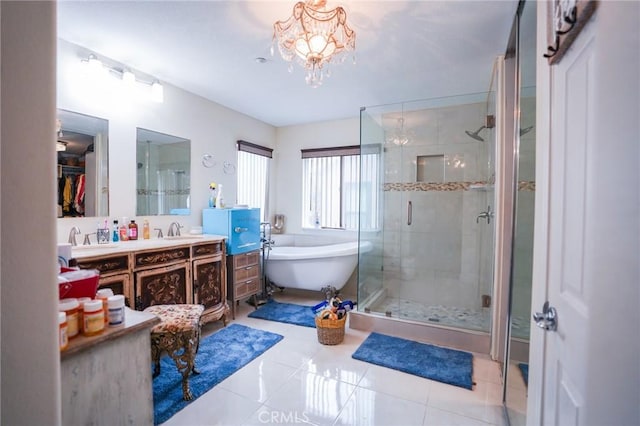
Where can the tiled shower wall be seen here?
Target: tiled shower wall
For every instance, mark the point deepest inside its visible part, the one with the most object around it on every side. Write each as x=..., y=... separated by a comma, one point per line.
x=438, y=259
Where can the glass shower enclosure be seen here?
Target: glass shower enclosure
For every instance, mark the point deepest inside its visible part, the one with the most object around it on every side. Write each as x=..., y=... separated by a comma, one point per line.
x=433, y=228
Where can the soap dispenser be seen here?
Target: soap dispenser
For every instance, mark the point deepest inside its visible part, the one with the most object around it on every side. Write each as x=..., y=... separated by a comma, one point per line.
x=116, y=232
x=145, y=229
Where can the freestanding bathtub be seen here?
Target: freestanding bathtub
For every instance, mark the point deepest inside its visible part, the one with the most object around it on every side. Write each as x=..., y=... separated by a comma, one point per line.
x=313, y=267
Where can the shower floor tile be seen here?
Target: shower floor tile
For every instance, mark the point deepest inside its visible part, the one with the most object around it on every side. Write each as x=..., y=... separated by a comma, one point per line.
x=453, y=316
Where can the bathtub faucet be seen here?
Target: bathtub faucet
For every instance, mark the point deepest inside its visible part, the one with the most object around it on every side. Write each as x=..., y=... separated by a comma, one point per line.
x=265, y=239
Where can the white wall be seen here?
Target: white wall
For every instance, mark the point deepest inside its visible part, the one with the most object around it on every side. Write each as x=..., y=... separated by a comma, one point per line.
x=30, y=360
x=288, y=165
x=614, y=205
x=211, y=128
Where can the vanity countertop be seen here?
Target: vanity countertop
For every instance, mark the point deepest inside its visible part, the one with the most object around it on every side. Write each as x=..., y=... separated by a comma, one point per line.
x=92, y=250
x=133, y=321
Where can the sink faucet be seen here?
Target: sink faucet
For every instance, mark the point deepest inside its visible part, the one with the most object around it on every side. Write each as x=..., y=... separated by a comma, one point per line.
x=177, y=227
x=72, y=235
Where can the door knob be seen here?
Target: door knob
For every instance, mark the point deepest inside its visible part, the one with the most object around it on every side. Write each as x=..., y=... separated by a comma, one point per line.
x=548, y=318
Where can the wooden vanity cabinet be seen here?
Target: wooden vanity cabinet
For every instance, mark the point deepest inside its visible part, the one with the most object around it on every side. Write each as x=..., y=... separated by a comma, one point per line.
x=115, y=273
x=186, y=273
x=162, y=276
x=243, y=277
x=209, y=280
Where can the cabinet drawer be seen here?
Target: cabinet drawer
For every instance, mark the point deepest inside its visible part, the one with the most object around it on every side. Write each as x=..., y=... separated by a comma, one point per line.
x=161, y=257
x=246, y=288
x=246, y=273
x=207, y=249
x=246, y=259
x=106, y=265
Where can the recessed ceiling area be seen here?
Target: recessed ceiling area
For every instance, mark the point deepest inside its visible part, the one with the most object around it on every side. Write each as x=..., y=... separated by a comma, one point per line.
x=405, y=50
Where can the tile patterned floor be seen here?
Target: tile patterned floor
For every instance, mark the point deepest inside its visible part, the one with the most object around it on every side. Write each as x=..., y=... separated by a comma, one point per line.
x=300, y=381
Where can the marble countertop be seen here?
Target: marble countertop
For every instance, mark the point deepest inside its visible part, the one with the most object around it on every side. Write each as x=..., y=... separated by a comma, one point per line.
x=133, y=321
x=92, y=250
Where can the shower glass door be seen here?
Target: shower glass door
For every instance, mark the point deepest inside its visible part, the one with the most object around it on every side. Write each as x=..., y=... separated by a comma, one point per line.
x=432, y=260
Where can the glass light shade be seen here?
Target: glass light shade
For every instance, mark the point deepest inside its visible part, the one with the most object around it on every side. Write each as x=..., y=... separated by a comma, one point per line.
x=157, y=92
x=128, y=77
x=95, y=64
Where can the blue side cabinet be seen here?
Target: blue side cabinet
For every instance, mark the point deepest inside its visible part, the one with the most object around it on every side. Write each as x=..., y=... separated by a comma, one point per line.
x=240, y=226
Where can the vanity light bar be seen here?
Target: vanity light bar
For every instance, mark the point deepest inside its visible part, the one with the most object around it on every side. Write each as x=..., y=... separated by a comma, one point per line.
x=124, y=74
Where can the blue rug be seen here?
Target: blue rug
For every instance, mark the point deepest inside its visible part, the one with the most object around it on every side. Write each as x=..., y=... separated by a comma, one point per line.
x=219, y=356
x=524, y=369
x=432, y=362
x=286, y=312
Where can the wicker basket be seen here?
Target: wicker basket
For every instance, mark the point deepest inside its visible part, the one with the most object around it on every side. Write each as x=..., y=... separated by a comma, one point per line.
x=330, y=331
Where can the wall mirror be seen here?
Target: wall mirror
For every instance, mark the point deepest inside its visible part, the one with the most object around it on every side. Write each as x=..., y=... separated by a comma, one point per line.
x=163, y=174
x=83, y=165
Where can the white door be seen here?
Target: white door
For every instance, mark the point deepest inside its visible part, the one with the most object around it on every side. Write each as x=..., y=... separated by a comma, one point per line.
x=586, y=244
x=572, y=131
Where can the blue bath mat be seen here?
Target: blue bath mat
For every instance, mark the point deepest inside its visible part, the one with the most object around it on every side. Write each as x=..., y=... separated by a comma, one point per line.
x=524, y=369
x=432, y=362
x=219, y=356
x=289, y=313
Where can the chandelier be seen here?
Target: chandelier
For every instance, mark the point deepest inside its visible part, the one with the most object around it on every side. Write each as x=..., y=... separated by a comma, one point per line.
x=399, y=136
x=314, y=37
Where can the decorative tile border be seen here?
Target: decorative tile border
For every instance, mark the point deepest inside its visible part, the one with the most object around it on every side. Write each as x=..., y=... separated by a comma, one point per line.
x=525, y=185
x=430, y=186
x=449, y=186
x=165, y=192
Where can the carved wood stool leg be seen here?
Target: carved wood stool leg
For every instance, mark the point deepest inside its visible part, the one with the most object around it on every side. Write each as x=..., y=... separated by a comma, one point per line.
x=197, y=344
x=183, y=355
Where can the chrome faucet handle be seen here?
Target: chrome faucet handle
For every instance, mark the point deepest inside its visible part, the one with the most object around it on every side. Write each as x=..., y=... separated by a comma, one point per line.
x=159, y=232
x=87, y=241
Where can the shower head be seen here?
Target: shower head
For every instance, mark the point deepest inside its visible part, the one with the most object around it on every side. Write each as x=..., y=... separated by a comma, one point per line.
x=475, y=135
x=525, y=130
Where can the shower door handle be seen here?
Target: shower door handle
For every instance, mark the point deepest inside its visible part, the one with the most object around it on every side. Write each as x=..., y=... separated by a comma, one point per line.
x=409, y=213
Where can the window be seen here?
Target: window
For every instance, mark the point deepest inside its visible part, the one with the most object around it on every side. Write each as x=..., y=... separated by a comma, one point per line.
x=340, y=187
x=253, y=176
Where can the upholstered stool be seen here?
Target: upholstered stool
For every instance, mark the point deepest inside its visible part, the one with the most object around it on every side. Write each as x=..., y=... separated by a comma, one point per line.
x=178, y=334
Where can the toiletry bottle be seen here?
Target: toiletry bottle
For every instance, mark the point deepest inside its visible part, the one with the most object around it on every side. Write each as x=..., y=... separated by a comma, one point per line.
x=145, y=229
x=219, y=198
x=133, y=230
x=116, y=232
x=107, y=232
x=124, y=232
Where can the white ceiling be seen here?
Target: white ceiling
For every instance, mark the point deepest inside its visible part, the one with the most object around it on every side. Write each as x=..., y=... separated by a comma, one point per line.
x=405, y=50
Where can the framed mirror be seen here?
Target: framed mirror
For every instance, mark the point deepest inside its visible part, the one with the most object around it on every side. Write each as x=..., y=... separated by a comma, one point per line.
x=83, y=165
x=163, y=174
